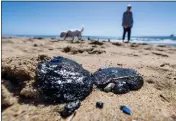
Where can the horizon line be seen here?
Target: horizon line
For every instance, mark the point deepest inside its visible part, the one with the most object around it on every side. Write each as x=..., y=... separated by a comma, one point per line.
x=84, y=35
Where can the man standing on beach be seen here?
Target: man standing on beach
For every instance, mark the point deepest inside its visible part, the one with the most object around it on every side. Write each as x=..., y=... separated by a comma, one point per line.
x=127, y=22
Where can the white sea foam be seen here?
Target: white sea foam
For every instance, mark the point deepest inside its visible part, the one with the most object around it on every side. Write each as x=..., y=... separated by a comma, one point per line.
x=147, y=40
x=157, y=41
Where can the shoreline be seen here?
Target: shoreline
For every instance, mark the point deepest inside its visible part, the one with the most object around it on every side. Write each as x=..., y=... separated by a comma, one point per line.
x=143, y=39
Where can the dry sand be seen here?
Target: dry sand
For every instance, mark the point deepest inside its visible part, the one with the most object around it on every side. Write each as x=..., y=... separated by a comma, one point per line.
x=155, y=101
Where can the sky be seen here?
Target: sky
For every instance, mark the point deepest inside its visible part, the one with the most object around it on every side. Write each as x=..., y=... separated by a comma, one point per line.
x=98, y=18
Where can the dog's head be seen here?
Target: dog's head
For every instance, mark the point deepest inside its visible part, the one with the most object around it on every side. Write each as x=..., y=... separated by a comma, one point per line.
x=62, y=34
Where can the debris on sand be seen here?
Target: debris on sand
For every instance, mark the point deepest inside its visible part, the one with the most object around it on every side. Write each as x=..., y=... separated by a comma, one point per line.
x=94, y=46
x=164, y=64
x=35, y=45
x=125, y=109
x=43, y=57
x=160, y=54
x=164, y=98
x=67, y=49
x=99, y=104
x=96, y=52
x=134, y=45
x=73, y=50
x=162, y=45
x=70, y=108
x=150, y=81
x=63, y=79
x=96, y=43
x=123, y=78
x=117, y=43
x=7, y=98
x=77, y=41
x=38, y=38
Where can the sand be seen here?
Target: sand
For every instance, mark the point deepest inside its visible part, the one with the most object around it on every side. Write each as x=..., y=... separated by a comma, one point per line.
x=155, y=101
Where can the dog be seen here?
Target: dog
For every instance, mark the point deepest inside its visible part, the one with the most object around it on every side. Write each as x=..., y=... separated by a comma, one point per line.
x=72, y=33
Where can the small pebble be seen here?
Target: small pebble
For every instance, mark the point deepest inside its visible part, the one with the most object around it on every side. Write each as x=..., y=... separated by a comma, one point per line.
x=35, y=45
x=109, y=87
x=99, y=104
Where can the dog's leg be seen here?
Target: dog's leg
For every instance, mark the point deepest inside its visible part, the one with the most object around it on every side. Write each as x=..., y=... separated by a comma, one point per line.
x=80, y=37
x=64, y=37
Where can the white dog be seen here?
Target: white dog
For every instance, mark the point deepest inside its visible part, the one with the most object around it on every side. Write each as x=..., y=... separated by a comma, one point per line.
x=72, y=33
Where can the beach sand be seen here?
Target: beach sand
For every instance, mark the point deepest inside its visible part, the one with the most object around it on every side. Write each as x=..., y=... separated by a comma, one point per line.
x=155, y=101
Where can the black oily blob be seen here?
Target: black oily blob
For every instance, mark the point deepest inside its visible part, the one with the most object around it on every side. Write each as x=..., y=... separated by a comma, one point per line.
x=103, y=76
x=135, y=82
x=121, y=87
x=70, y=108
x=99, y=104
x=124, y=79
x=63, y=80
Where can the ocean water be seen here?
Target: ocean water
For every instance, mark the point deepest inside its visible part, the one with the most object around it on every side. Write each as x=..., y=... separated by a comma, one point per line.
x=156, y=40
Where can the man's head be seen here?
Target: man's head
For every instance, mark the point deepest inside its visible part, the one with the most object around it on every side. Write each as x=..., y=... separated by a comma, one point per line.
x=129, y=8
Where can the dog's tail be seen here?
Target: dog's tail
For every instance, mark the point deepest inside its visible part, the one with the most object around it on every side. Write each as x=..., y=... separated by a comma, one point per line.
x=82, y=29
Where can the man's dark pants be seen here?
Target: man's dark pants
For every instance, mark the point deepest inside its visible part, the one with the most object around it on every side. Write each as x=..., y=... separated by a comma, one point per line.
x=128, y=29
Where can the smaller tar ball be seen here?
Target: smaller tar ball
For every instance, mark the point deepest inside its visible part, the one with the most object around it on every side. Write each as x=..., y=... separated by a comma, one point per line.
x=99, y=105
